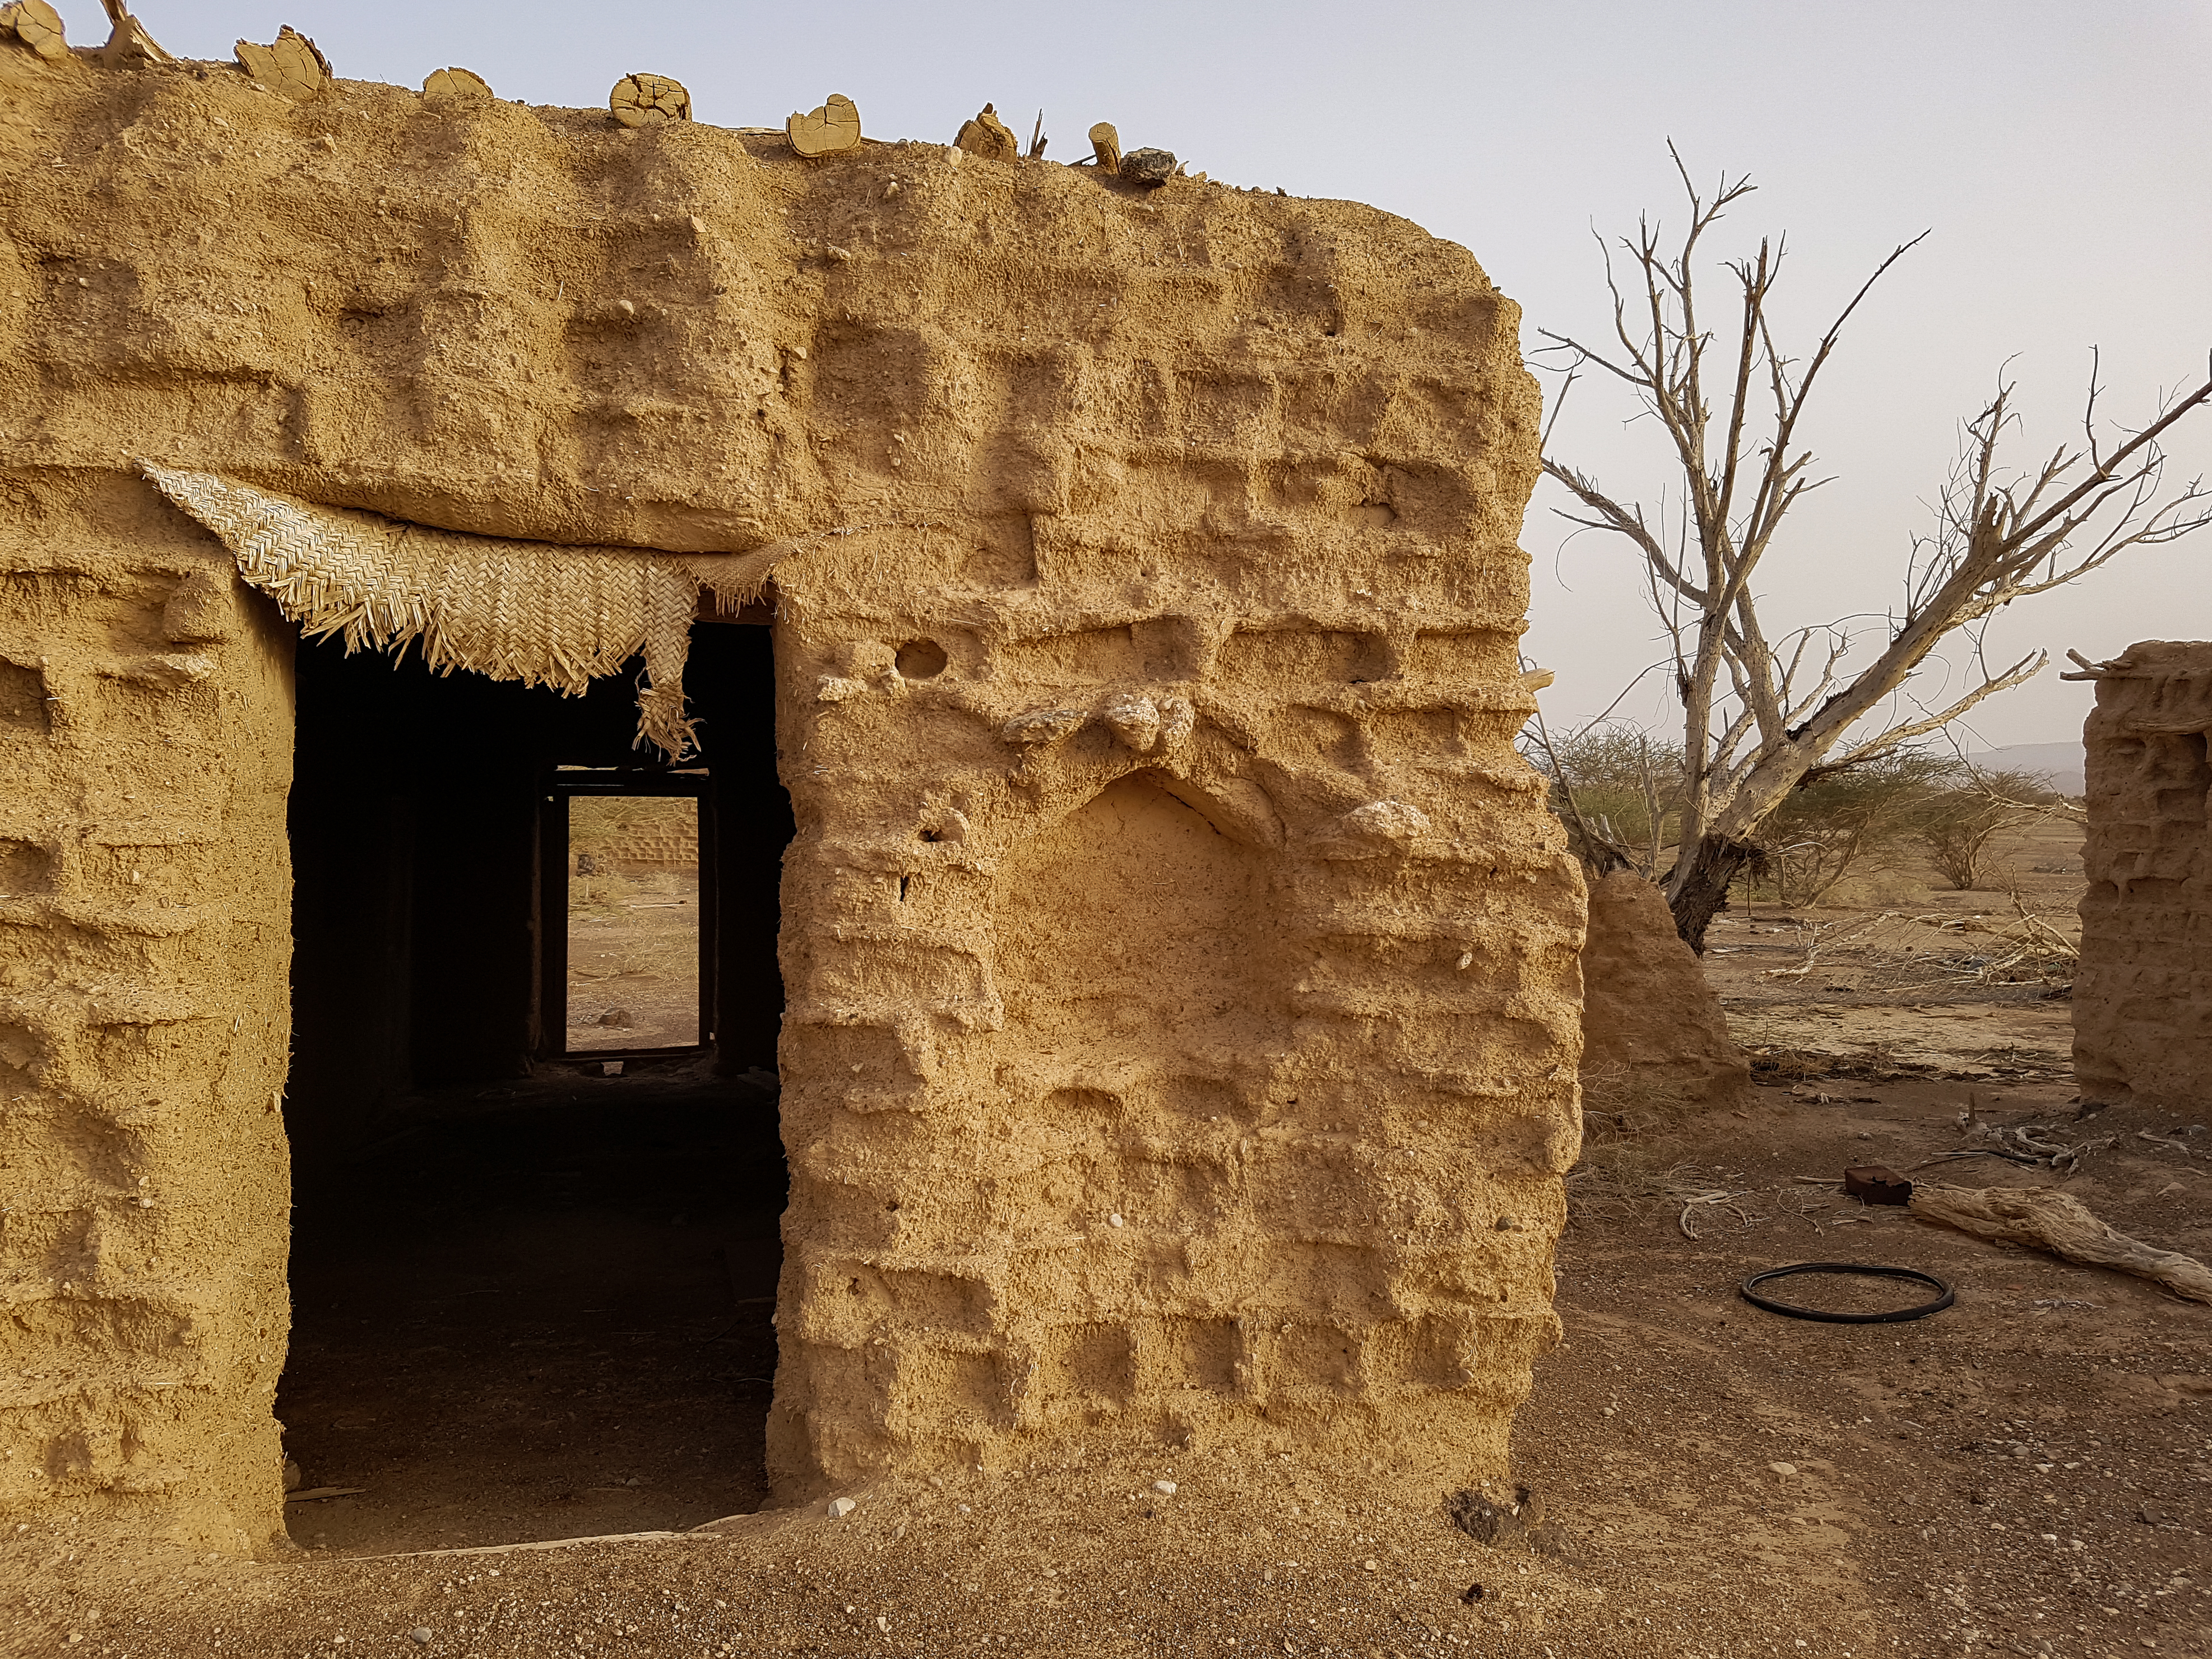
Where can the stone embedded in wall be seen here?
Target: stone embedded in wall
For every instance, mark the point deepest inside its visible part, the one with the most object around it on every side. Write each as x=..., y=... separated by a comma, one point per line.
x=2142, y=994
x=1135, y=720
x=1041, y=725
x=1147, y=166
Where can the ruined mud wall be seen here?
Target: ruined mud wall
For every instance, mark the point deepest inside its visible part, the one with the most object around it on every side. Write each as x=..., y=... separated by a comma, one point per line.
x=146, y=746
x=1183, y=998
x=648, y=834
x=2142, y=998
x=1655, y=1041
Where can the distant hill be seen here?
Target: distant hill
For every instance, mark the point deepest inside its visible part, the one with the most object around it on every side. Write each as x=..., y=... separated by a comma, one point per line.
x=2059, y=763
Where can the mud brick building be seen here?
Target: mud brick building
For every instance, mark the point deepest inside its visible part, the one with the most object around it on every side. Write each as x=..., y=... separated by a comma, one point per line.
x=1120, y=856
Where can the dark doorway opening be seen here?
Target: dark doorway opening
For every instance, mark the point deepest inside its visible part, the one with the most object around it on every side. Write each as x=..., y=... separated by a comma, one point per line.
x=534, y=1261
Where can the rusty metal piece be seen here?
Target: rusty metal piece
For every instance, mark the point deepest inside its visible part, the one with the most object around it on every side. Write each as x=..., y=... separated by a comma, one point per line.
x=1876, y=1183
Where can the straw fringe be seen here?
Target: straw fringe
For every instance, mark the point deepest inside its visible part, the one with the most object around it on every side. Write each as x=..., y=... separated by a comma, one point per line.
x=533, y=611
x=735, y=579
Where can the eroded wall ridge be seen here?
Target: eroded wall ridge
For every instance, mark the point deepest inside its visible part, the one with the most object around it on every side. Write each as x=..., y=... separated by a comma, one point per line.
x=2142, y=999
x=1235, y=1108
x=145, y=734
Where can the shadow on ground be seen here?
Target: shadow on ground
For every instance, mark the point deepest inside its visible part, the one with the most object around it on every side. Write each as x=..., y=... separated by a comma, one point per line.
x=538, y=1311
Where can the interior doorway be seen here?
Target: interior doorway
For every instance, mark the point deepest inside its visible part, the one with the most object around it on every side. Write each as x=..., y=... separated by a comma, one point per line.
x=627, y=866
x=535, y=1249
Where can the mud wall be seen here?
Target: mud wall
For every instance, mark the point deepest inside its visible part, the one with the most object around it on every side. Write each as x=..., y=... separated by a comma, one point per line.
x=2142, y=999
x=1655, y=1041
x=1198, y=1086
x=1183, y=1000
x=145, y=739
x=652, y=835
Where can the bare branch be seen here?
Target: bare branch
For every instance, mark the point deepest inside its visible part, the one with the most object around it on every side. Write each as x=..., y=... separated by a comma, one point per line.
x=1624, y=521
x=1559, y=408
x=1897, y=736
x=1762, y=716
x=2095, y=671
x=2105, y=469
x=1602, y=851
x=1981, y=781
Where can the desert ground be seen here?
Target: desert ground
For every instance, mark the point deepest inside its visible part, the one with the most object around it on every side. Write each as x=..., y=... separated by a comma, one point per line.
x=528, y=1344
x=634, y=960
x=633, y=936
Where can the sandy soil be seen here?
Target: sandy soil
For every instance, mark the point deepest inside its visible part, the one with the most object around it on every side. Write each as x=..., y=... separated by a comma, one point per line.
x=1928, y=982
x=634, y=960
x=2027, y=1472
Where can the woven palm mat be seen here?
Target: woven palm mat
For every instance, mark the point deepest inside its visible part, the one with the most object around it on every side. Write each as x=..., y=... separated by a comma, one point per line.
x=533, y=611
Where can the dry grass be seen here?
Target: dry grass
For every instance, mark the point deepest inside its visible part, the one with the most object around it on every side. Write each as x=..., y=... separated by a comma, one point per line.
x=1627, y=1100
x=1916, y=938
x=1622, y=1178
x=1628, y=1177
x=1934, y=952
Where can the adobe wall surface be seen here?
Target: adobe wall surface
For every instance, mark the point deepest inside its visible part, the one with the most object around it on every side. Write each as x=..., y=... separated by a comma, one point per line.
x=1656, y=1040
x=2143, y=997
x=146, y=746
x=647, y=834
x=1184, y=1008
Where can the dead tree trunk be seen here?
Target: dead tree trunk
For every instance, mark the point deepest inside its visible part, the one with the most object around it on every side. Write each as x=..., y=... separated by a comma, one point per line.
x=1713, y=864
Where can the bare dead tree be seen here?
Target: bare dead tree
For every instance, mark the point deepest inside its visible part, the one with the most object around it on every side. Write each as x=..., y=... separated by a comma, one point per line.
x=1765, y=713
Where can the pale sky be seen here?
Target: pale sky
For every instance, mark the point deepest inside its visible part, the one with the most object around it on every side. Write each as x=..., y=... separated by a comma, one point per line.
x=2061, y=153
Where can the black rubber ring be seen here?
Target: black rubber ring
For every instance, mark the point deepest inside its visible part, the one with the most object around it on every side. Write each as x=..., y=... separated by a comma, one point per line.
x=1864, y=1269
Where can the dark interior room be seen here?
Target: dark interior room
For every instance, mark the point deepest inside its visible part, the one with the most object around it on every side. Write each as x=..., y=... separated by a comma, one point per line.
x=532, y=1104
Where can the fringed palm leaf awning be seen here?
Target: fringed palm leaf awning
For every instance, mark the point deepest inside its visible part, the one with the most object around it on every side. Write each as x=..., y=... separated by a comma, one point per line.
x=533, y=611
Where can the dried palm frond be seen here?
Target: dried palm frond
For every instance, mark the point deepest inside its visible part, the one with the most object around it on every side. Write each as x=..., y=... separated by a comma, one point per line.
x=532, y=611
